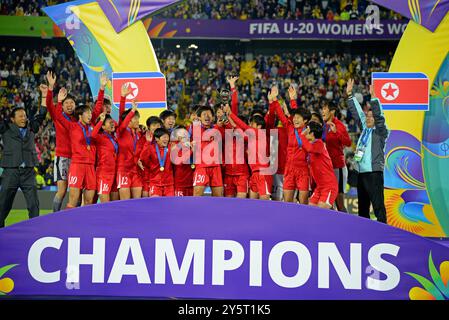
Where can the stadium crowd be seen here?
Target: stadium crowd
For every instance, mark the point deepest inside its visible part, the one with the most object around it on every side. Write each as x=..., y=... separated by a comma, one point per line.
x=333, y=10
x=196, y=78
x=21, y=72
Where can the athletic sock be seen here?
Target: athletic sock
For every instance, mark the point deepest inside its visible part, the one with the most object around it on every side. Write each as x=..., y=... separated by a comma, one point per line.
x=57, y=204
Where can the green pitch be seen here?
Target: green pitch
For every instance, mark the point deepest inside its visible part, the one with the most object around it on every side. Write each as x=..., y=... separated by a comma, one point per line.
x=21, y=215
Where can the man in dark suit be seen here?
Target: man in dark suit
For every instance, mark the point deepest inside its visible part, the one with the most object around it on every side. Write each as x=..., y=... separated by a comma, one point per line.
x=19, y=158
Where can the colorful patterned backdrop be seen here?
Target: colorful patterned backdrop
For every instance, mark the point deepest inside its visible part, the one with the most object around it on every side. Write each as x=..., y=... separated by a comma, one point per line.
x=417, y=151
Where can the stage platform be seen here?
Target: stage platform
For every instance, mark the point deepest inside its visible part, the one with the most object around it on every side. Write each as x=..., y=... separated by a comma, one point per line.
x=217, y=248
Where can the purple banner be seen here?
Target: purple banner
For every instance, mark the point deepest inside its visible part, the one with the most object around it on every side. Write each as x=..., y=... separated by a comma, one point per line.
x=427, y=13
x=123, y=13
x=275, y=29
x=218, y=248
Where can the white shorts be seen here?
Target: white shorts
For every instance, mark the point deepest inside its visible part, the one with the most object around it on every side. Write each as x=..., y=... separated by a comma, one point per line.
x=61, y=168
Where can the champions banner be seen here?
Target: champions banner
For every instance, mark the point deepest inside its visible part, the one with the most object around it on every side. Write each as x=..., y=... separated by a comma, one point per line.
x=217, y=248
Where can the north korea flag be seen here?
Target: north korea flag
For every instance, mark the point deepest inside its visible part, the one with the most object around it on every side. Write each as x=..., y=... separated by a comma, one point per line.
x=401, y=91
x=147, y=88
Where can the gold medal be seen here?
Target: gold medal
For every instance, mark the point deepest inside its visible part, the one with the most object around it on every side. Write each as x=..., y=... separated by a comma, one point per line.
x=162, y=168
x=88, y=147
x=192, y=166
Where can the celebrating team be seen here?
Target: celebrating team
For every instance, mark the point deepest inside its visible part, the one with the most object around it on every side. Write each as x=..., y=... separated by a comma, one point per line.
x=99, y=158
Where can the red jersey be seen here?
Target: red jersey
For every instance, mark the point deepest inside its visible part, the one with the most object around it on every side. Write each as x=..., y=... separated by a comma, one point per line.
x=283, y=141
x=234, y=168
x=63, y=143
x=296, y=155
x=336, y=142
x=128, y=142
x=107, y=152
x=150, y=160
x=98, y=109
x=183, y=172
x=81, y=140
x=208, y=146
x=258, y=163
x=320, y=163
x=282, y=149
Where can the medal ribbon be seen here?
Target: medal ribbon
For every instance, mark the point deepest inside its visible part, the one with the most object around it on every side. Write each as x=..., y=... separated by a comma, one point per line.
x=87, y=134
x=161, y=161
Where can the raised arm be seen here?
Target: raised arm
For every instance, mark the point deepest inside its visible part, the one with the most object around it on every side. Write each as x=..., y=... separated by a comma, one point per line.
x=98, y=109
x=39, y=117
x=240, y=124
x=270, y=117
x=293, y=96
x=308, y=146
x=379, y=118
x=124, y=91
x=51, y=79
x=280, y=114
x=50, y=104
x=354, y=106
x=124, y=124
x=97, y=127
x=234, y=96
x=58, y=116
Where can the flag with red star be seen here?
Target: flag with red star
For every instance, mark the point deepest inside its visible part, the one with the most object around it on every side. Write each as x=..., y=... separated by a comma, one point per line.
x=401, y=90
x=147, y=88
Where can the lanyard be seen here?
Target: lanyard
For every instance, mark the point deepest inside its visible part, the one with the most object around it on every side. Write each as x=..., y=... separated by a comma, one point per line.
x=66, y=116
x=114, y=143
x=365, y=136
x=298, y=139
x=191, y=155
x=161, y=161
x=134, y=136
x=326, y=129
x=86, y=135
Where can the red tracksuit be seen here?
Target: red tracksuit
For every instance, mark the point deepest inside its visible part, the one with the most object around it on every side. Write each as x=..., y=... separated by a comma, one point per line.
x=82, y=167
x=144, y=175
x=322, y=172
x=161, y=182
x=258, y=182
x=296, y=176
x=236, y=175
x=207, y=173
x=127, y=174
x=63, y=143
x=183, y=172
x=98, y=109
x=107, y=152
x=336, y=142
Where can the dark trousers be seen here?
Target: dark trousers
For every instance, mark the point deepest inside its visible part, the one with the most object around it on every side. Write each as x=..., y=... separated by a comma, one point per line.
x=12, y=179
x=370, y=190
